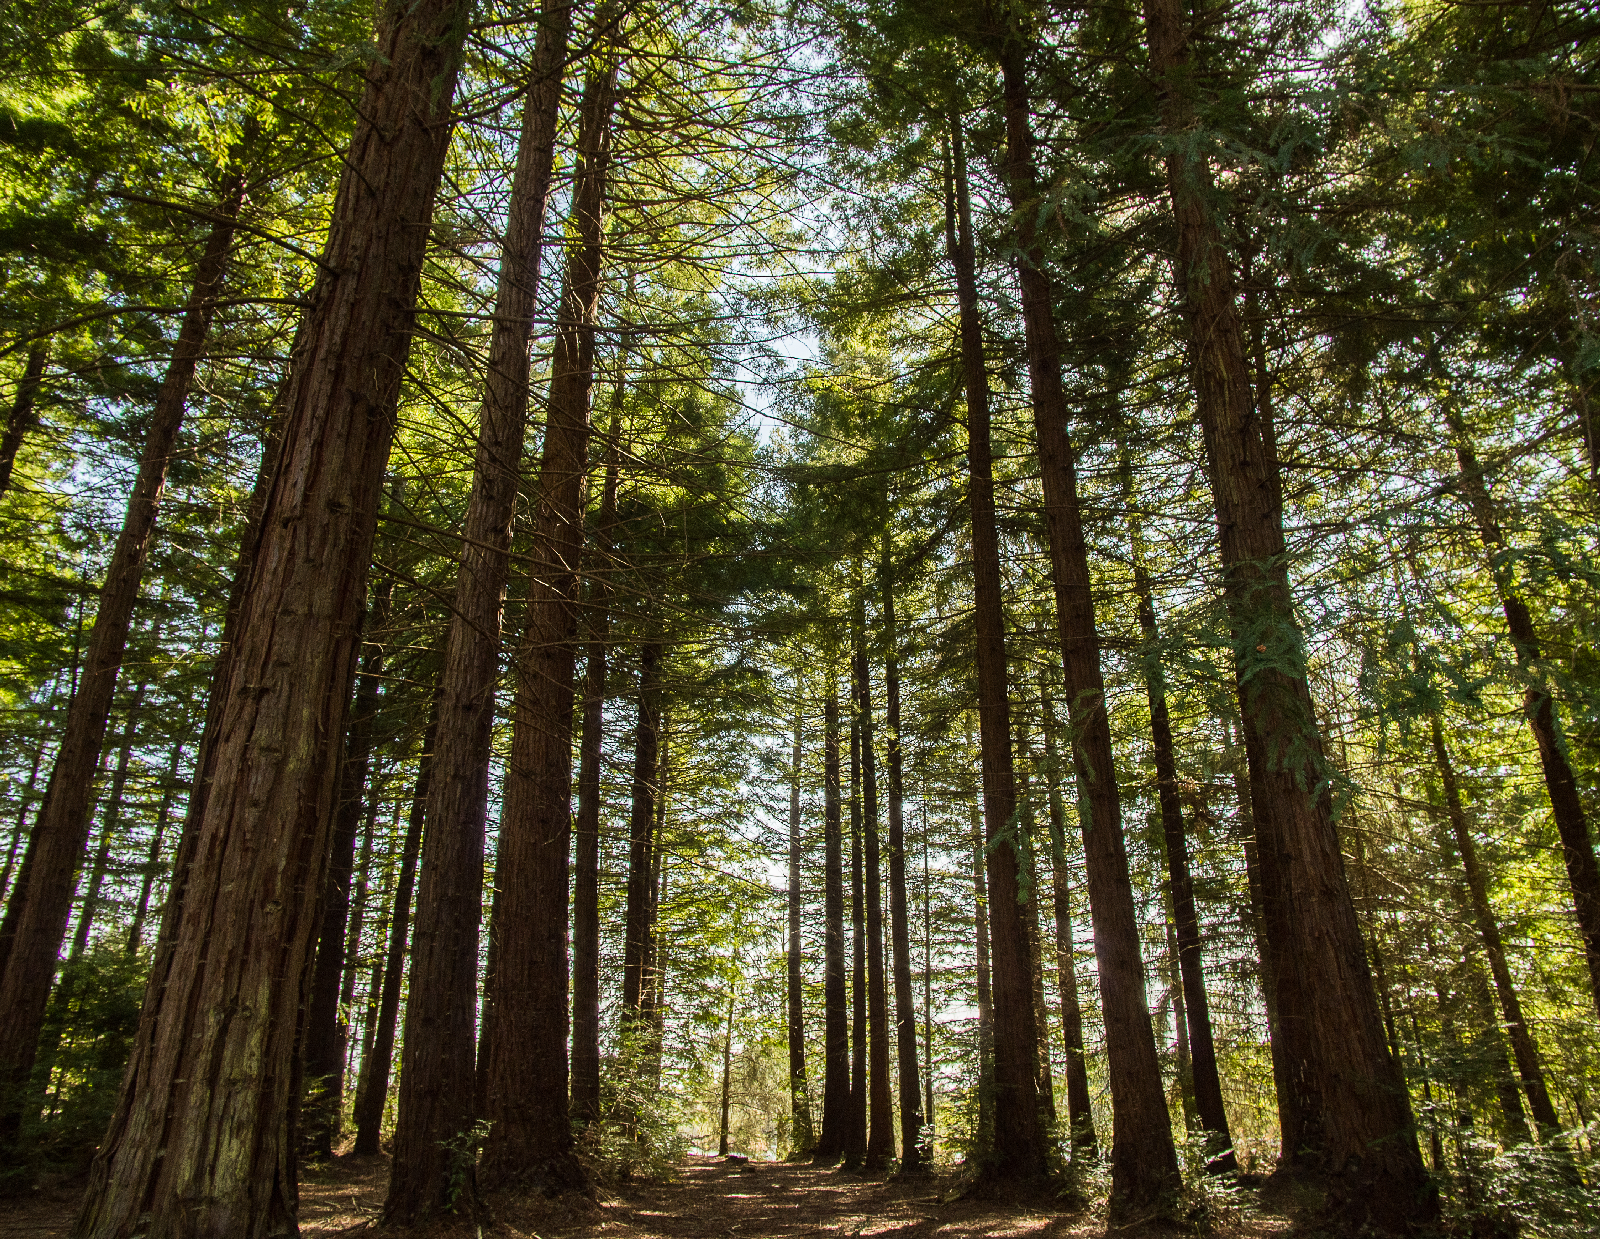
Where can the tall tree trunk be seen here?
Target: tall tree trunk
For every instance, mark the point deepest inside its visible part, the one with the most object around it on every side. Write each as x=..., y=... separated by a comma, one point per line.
x=836, y=1035
x=374, y=1004
x=119, y=786
x=927, y=986
x=322, y=1108
x=530, y=1138
x=641, y=835
x=1205, y=1083
x=654, y=1006
x=1348, y=1117
x=1027, y=824
x=727, y=1078
x=912, y=1116
x=1019, y=1150
x=19, y=829
x=985, y=987
x=880, y=1099
x=855, y=1138
x=36, y=915
x=586, y=826
x=1080, y=1113
x=1144, y=1162
x=804, y=1140
x=228, y=994
x=437, y=1062
x=152, y=861
x=1538, y=705
x=24, y=410
x=373, y=1093
x=1523, y=1048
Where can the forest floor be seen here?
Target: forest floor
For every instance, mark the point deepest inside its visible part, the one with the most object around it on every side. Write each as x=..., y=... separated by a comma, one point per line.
x=709, y=1197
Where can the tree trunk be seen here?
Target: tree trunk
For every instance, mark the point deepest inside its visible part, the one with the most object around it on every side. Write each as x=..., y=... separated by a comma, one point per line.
x=1523, y=1048
x=586, y=826
x=1027, y=824
x=727, y=1078
x=36, y=915
x=804, y=1140
x=1538, y=705
x=1205, y=1083
x=836, y=1043
x=322, y=1108
x=437, y=1062
x=218, y=1039
x=1144, y=1162
x=641, y=835
x=855, y=1137
x=1347, y=1117
x=141, y=910
x=24, y=410
x=1019, y=1150
x=985, y=988
x=1080, y=1113
x=927, y=987
x=119, y=786
x=530, y=1138
x=373, y=1093
x=880, y=1098
x=912, y=1153
x=20, y=828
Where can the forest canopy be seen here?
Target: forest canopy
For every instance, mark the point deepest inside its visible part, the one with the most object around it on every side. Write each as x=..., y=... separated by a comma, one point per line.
x=994, y=589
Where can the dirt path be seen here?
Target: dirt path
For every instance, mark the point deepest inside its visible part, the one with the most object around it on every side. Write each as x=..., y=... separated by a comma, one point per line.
x=710, y=1197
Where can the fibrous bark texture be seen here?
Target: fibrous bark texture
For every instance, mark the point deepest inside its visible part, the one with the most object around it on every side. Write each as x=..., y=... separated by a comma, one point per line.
x=1019, y=1141
x=202, y=1141
x=530, y=1139
x=36, y=915
x=1346, y=1116
x=437, y=1060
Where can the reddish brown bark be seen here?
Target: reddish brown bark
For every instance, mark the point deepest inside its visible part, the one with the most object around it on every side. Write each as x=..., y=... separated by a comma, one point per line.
x=530, y=1139
x=586, y=826
x=1080, y=1113
x=1347, y=1117
x=1523, y=1047
x=836, y=1026
x=912, y=1153
x=24, y=410
x=1144, y=1163
x=203, y=1141
x=373, y=1093
x=321, y=1110
x=437, y=1059
x=36, y=915
x=641, y=833
x=1019, y=1140
x=1538, y=707
x=803, y=1138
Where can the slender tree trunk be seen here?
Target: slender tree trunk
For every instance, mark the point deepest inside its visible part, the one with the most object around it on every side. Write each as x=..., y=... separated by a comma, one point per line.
x=437, y=1085
x=374, y=1004
x=927, y=987
x=1523, y=1048
x=656, y=945
x=113, y=814
x=1538, y=706
x=530, y=1138
x=804, y=1141
x=373, y=1093
x=836, y=1045
x=1027, y=824
x=1144, y=1162
x=228, y=994
x=1019, y=1140
x=985, y=987
x=24, y=410
x=1205, y=1084
x=912, y=1153
x=1347, y=1117
x=855, y=1140
x=586, y=826
x=1080, y=1113
x=20, y=828
x=36, y=915
x=322, y=1108
x=641, y=834
x=141, y=910
x=880, y=1098
x=727, y=1078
